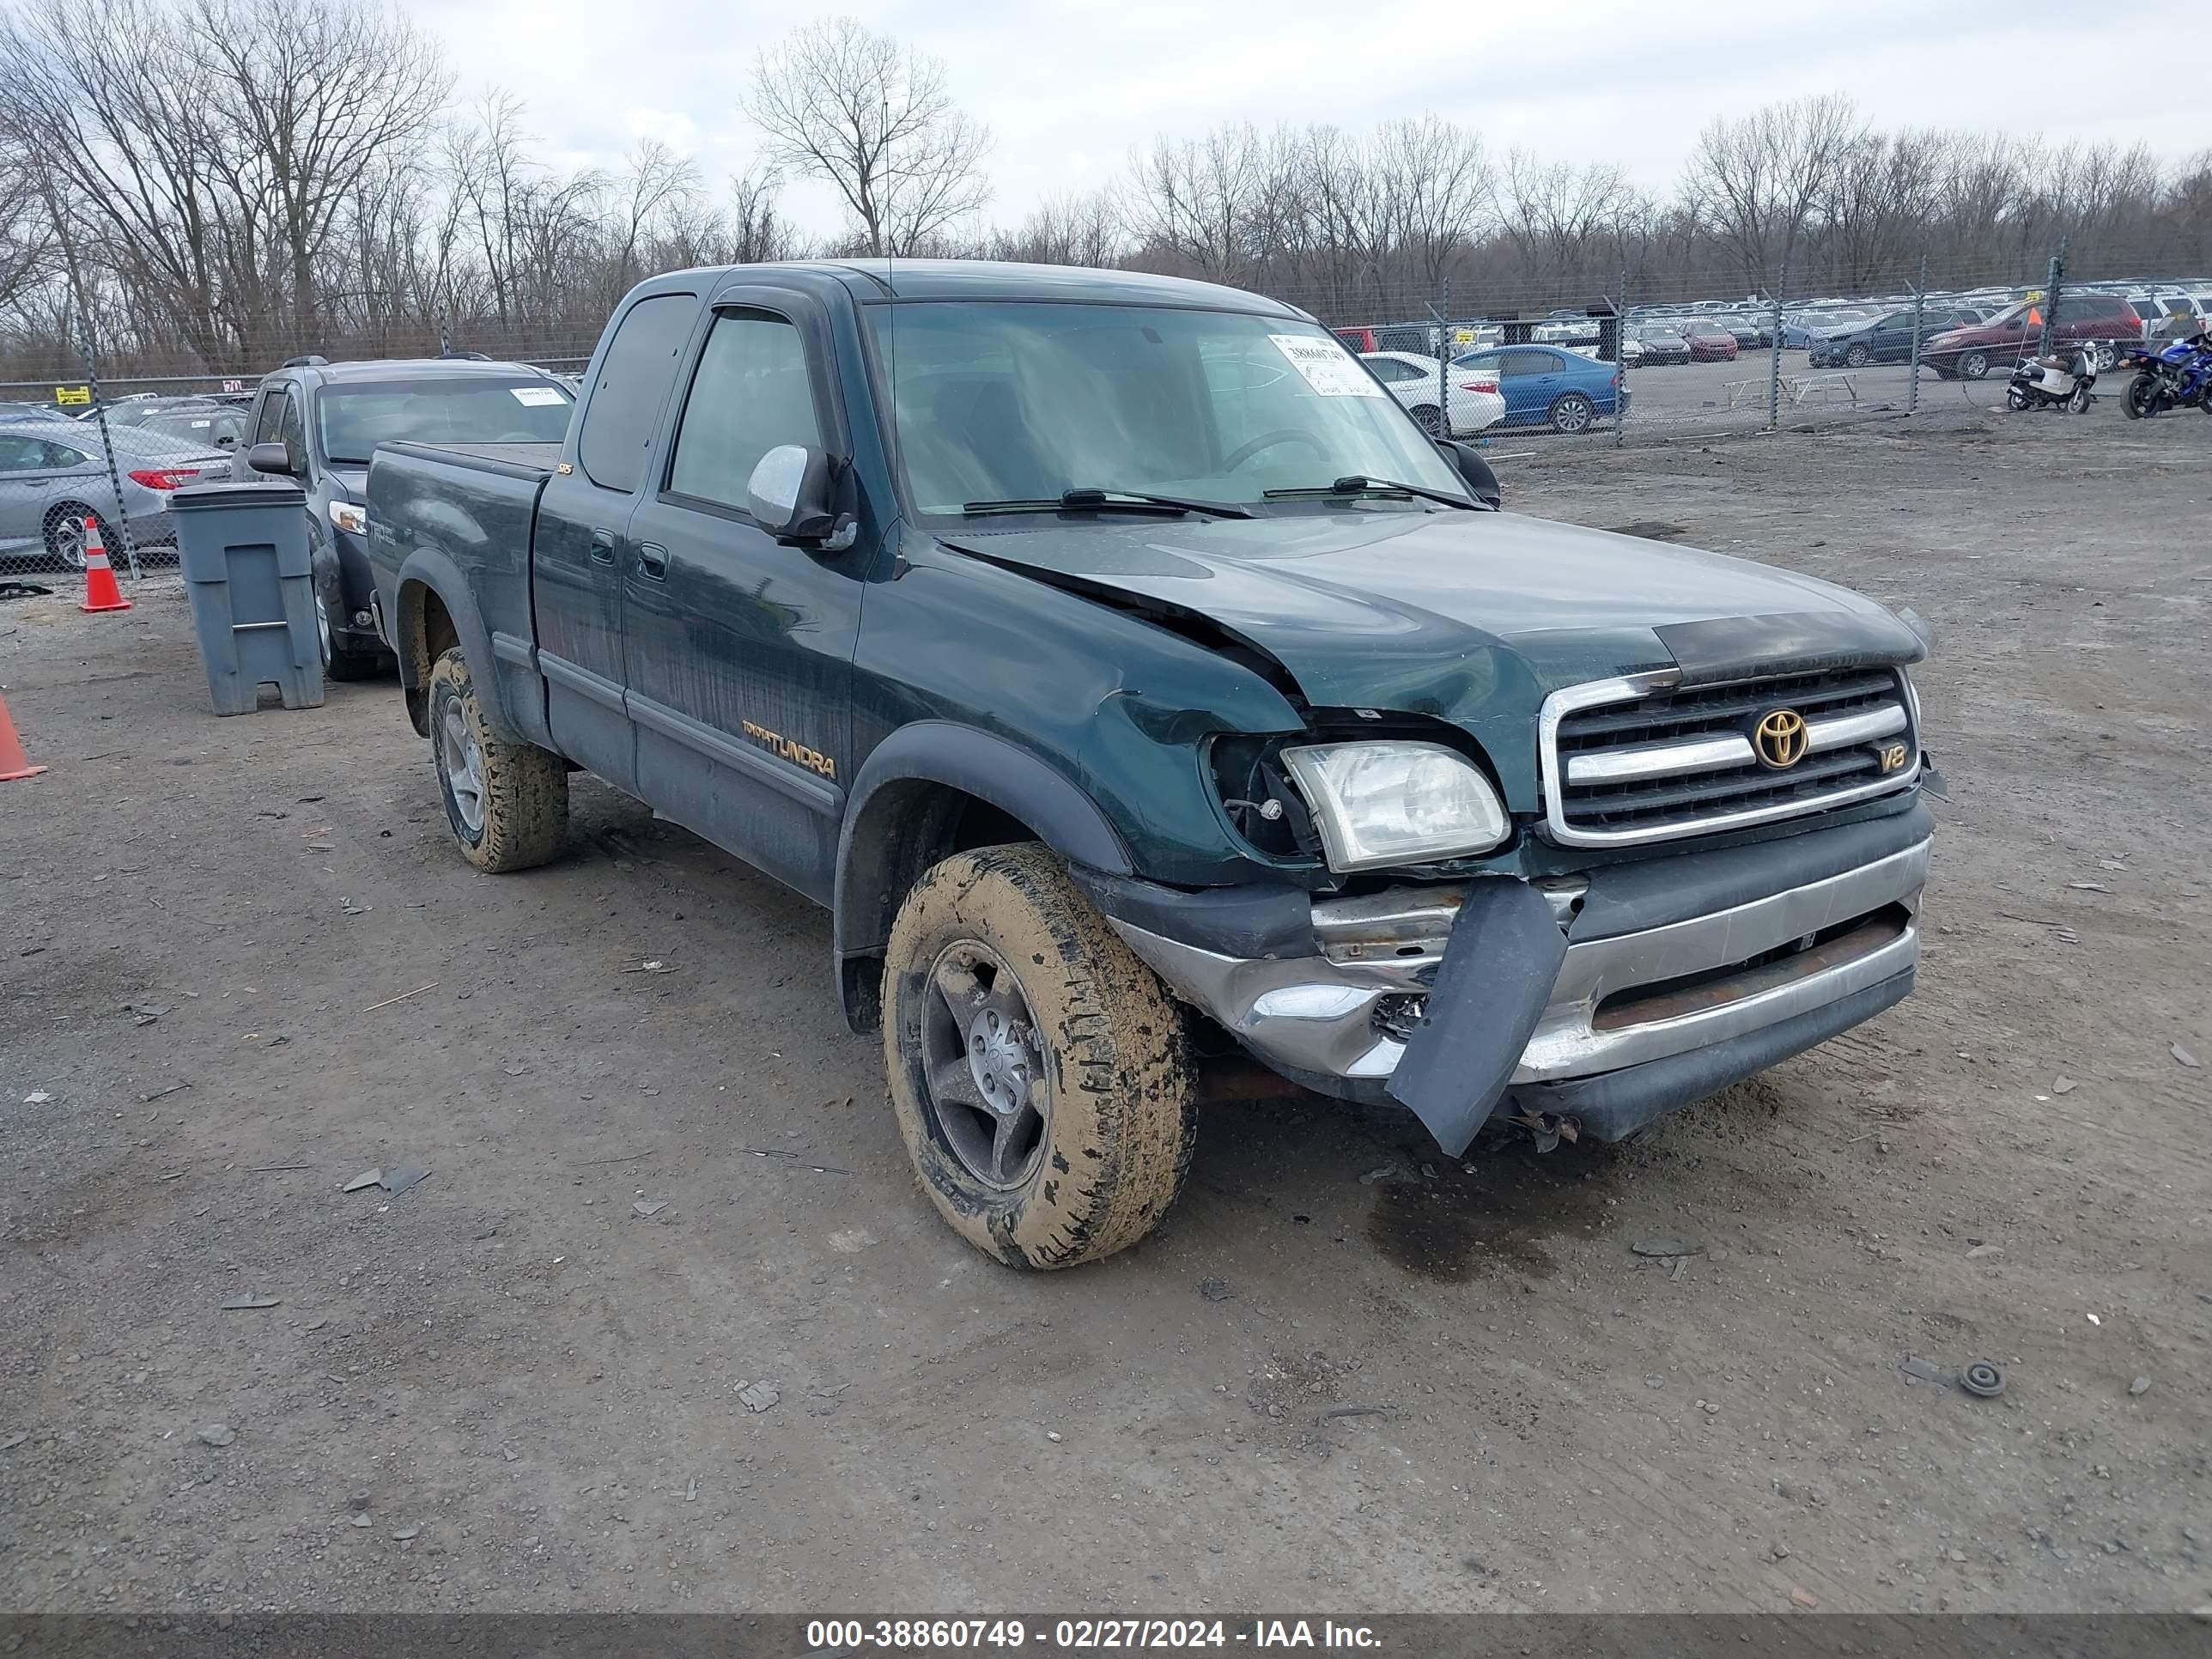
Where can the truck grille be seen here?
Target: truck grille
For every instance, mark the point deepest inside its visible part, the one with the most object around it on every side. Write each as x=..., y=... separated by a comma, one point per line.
x=1632, y=759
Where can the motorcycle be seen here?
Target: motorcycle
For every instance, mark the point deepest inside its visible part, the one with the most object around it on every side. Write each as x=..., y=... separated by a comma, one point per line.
x=2053, y=382
x=2177, y=375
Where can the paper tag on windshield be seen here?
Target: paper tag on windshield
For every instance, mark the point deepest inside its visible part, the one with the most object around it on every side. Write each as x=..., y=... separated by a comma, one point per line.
x=1329, y=367
x=537, y=397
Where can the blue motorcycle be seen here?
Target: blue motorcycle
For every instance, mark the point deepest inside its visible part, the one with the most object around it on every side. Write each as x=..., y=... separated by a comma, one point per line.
x=2178, y=375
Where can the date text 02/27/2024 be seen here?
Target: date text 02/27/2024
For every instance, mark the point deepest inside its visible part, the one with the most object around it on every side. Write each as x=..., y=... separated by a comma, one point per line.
x=1083, y=1635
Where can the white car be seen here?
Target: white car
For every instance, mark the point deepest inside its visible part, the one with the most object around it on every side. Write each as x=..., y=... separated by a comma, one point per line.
x=1416, y=381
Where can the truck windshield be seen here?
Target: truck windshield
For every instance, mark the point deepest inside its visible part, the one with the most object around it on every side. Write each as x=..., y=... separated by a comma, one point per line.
x=1022, y=401
x=354, y=419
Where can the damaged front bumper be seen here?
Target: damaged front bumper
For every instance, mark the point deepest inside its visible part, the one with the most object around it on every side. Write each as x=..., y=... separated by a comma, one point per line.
x=1600, y=1001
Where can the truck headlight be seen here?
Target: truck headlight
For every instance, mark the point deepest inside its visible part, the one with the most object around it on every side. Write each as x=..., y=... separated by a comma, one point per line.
x=1377, y=804
x=349, y=516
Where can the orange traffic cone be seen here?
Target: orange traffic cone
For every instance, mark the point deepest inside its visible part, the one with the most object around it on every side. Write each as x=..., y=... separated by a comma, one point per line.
x=100, y=593
x=14, y=763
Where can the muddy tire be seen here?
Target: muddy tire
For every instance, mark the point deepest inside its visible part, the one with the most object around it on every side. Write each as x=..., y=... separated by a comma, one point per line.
x=507, y=802
x=1039, y=1073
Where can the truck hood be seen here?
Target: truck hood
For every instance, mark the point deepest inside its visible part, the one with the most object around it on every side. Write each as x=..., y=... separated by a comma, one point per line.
x=1463, y=616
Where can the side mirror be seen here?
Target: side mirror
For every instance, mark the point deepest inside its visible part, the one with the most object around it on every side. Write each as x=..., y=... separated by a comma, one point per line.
x=1474, y=472
x=270, y=456
x=788, y=494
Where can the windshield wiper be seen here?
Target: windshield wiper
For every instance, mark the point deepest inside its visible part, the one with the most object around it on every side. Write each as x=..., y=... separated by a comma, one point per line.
x=1354, y=485
x=1120, y=501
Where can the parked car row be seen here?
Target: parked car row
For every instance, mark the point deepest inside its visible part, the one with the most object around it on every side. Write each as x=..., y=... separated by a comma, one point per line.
x=54, y=476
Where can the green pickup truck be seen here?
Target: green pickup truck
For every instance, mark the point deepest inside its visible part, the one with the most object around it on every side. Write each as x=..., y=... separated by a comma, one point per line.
x=1129, y=676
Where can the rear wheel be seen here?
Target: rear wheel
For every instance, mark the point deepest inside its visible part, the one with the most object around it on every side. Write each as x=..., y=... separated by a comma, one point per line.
x=2140, y=401
x=2103, y=353
x=1431, y=418
x=1038, y=1071
x=1572, y=412
x=507, y=802
x=65, y=535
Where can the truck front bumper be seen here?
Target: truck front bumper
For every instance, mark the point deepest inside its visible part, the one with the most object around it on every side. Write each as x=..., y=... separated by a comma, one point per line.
x=1604, y=999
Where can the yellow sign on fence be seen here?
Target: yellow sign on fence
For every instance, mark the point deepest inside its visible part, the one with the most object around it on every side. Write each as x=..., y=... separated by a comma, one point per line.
x=66, y=395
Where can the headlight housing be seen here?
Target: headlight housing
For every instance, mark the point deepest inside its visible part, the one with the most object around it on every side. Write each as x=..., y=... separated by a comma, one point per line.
x=1385, y=803
x=350, y=517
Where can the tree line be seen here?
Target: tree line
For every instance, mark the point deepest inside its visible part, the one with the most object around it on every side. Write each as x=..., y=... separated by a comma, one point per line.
x=212, y=185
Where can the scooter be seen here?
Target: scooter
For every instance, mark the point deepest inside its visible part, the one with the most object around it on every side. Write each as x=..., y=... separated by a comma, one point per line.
x=2053, y=382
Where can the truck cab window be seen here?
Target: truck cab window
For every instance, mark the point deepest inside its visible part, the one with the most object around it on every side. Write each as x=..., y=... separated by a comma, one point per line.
x=750, y=394
x=631, y=388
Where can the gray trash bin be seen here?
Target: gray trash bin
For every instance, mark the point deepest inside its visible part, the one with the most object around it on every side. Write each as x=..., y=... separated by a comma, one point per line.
x=244, y=550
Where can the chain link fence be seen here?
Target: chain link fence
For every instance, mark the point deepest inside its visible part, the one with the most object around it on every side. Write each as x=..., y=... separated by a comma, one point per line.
x=81, y=448
x=1583, y=365
x=1572, y=364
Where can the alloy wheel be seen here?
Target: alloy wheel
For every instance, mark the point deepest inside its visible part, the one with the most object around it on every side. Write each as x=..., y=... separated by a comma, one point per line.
x=984, y=1064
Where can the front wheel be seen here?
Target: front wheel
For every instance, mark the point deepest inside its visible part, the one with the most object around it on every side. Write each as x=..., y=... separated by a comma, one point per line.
x=1857, y=357
x=507, y=802
x=2140, y=402
x=2080, y=402
x=1974, y=365
x=1572, y=412
x=2015, y=398
x=1038, y=1071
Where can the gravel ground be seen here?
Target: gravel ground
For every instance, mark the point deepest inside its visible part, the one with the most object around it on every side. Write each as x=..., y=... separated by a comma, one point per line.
x=242, y=964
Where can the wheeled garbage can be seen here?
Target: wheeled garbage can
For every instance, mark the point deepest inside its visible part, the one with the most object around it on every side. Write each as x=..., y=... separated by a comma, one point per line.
x=244, y=550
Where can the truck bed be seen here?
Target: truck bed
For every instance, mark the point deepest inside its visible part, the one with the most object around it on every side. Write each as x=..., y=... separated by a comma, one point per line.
x=474, y=508
x=536, y=460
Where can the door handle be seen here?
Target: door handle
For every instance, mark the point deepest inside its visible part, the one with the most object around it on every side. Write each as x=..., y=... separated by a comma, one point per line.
x=652, y=561
x=603, y=547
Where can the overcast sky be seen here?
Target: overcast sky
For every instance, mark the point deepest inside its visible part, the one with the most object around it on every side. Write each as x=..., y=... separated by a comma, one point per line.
x=1069, y=87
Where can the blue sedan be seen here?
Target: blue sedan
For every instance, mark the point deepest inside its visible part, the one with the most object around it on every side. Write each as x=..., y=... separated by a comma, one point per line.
x=1545, y=386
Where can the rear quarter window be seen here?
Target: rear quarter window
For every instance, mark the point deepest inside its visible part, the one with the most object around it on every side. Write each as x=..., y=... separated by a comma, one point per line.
x=635, y=372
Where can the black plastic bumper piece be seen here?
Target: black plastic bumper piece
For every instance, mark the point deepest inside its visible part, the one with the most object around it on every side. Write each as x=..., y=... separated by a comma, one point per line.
x=1255, y=921
x=1491, y=988
x=1614, y=1105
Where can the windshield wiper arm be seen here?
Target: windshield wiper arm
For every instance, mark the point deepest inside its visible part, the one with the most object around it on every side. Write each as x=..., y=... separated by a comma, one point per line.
x=1354, y=485
x=1124, y=501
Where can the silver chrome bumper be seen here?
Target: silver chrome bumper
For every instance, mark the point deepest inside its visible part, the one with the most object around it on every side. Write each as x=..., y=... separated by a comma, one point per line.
x=1618, y=1001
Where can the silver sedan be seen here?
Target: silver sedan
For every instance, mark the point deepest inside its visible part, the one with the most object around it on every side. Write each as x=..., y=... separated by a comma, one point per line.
x=53, y=475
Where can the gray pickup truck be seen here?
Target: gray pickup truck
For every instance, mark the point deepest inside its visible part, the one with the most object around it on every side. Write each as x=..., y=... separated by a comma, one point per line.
x=1127, y=673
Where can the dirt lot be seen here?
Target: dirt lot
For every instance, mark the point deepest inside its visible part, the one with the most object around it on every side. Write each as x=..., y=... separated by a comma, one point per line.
x=535, y=1390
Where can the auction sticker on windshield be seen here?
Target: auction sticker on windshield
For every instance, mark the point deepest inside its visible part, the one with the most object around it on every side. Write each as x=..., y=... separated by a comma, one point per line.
x=1329, y=367
x=537, y=397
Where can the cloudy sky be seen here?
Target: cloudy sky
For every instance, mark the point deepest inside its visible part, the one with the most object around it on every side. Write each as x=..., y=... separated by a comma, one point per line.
x=1069, y=87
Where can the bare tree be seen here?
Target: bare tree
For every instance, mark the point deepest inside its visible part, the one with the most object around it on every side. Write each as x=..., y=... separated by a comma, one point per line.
x=874, y=120
x=1564, y=219
x=1071, y=230
x=1757, y=181
x=326, y=93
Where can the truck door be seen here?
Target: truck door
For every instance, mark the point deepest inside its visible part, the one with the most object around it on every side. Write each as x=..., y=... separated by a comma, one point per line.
x=581, y=545
x=739, y=650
